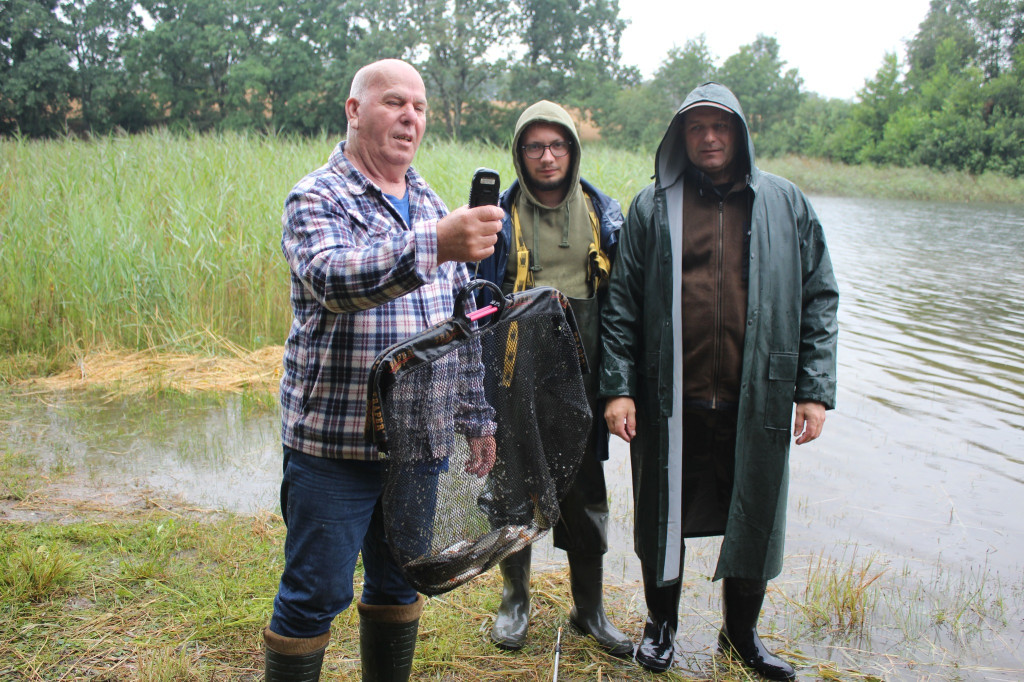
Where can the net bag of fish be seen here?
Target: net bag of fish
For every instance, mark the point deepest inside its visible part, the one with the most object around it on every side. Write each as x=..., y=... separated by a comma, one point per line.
x=483, y=419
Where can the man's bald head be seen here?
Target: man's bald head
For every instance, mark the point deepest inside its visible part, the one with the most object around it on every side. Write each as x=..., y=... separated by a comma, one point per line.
x=387, y=114
x=373, y=73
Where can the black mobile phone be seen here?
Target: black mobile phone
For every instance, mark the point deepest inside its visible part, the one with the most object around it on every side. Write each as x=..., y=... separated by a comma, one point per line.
x=485, y=188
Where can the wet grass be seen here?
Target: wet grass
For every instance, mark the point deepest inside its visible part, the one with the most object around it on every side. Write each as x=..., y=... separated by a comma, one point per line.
x=817, y=176
x=150, y=589
x=147, y=594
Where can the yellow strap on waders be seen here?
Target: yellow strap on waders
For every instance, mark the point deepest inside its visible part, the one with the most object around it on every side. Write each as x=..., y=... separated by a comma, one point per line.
x=598, y=262
x=524, y=281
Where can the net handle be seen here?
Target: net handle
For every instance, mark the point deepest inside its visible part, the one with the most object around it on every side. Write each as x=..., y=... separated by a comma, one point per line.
x=497, y=302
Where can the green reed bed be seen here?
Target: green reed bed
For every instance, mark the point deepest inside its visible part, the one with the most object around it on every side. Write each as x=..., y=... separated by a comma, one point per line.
x=817, y=176
x=139, y=242
x=173, y=241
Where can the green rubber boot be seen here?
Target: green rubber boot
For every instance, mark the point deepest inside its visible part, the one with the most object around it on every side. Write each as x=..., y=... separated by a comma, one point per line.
x=586, y=578
x=513, y=619
x=293, y=659
x=387, y=640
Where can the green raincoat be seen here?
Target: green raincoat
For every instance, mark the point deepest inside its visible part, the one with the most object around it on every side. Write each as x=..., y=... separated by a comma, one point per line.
x=789, y=355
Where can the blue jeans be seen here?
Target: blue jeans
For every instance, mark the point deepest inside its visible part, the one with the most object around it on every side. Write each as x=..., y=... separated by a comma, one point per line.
x=332, y=510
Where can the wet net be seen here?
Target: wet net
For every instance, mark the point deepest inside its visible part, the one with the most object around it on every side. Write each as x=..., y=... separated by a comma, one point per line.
x=484, y=425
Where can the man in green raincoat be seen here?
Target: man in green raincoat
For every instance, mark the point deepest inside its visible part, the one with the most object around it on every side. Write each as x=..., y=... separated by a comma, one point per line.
x=721, y=315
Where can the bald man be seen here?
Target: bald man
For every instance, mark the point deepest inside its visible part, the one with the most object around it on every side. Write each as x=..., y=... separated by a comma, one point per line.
x=375, y=257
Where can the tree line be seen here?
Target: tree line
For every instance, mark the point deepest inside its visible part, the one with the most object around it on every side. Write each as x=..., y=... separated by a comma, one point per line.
x=954, y=101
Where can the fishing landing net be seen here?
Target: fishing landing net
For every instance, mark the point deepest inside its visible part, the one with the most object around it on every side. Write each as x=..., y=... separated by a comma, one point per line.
x=446, y=403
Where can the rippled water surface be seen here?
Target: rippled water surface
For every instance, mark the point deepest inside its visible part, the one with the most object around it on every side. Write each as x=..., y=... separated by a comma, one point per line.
x=920, y=470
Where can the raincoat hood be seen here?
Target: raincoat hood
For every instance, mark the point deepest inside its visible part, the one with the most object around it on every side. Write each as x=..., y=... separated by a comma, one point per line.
x=546, y=112
x=671, y=160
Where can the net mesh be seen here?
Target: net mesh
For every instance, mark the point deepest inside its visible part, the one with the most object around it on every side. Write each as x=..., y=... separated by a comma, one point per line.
x=439, y=402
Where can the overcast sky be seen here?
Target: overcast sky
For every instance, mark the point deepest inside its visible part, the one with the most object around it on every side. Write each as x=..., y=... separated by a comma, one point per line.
x=836, y=46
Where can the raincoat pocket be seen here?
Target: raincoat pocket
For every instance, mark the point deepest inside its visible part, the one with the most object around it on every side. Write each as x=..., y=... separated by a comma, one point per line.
x=778, y=409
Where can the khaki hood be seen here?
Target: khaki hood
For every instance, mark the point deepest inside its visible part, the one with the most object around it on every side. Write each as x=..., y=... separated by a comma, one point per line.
x=546, y=112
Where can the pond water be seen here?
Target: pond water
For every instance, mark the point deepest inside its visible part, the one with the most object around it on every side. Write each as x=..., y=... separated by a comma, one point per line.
x=919, y=474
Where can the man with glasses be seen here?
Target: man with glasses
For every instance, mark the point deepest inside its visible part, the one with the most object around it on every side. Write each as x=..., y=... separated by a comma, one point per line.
x=560, y=231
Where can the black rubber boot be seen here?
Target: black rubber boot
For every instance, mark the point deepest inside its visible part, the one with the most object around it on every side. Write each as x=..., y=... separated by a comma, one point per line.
x=657, y=649
x=741, y=608
x=293, y=659
x=387, y=640
x=586, y=578
x=513, y=619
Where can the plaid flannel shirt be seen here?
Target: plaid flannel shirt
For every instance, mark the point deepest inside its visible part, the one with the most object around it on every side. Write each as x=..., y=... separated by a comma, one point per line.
x=361, y=280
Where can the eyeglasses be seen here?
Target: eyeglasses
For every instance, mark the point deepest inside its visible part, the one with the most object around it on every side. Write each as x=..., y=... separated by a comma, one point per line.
x=535, y=150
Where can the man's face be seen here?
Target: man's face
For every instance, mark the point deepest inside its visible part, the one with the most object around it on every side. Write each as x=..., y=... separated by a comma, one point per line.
x=711, y=141
x=391, y=117
x=549, y=172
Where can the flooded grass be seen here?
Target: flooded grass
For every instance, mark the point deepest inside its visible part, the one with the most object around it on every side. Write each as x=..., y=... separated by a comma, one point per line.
x=144, y=593
x=139, y=586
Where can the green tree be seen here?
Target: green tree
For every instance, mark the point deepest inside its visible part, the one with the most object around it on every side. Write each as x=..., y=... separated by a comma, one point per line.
x=186, y=58
x=280, y=81
x=459, y=39
x=36, y=77
x=768, y=94
x=946, y=20
x=684, y=69
x=636, y=118
x=857, y=137
x=1000, y=24
x=812, y=129
x=96, y=32
x=572, y=53
x=638, y=115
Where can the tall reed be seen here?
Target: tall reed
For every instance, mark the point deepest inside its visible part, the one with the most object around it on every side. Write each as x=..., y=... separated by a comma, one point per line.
x=173, y=241
x=142, y=241
x=169, y=241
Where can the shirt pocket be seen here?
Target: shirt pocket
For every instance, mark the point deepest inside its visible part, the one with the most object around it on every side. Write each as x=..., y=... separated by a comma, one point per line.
x=370, y=228
x=782, y=370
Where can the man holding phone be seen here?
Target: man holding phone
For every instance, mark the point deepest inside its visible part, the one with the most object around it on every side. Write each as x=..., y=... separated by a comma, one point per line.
x=561, y=231
x=375, y=257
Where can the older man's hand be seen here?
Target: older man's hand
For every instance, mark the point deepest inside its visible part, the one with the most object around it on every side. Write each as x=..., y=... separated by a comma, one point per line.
x=482, y=454
x=810, y=420
x=468, y=234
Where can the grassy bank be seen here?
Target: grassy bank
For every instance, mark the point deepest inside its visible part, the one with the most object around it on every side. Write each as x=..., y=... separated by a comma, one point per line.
x=101, y=580
x=818, y=177
x=144, y=589
x=157, y=241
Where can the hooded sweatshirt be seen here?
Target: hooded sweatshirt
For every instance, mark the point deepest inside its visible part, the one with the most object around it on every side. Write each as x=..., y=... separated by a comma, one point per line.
x=558, y=236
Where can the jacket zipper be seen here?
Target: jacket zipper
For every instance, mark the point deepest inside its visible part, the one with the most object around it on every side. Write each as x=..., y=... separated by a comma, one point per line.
x=719, y=274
